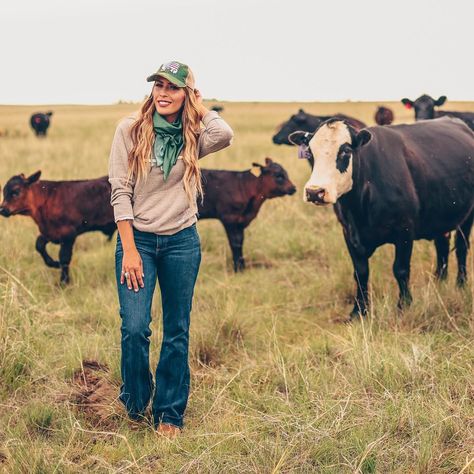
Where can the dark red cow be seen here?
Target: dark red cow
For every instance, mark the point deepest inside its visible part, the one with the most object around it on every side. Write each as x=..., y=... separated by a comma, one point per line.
x=235, y=197
x=383, y=116
x=62, y=210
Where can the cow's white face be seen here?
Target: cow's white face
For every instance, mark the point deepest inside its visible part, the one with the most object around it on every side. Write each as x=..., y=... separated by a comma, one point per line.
x=332, y=173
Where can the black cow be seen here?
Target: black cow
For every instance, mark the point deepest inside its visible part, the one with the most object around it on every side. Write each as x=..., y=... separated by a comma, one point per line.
x=383, y=116
x=308, y=123
x=217, y=108
x=425, y=109
x=62, y=210
x=235, y=197
x=395, y=184
x=40, y=123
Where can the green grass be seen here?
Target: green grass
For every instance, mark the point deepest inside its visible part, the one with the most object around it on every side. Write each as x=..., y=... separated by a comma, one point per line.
x=278, y=384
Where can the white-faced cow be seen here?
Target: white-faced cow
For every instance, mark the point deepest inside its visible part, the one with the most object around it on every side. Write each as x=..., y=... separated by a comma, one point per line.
x=394, y=184
x=425, y=109
x=40, y=123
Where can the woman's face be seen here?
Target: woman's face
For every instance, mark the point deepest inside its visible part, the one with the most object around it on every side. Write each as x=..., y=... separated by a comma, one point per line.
x=168, y=98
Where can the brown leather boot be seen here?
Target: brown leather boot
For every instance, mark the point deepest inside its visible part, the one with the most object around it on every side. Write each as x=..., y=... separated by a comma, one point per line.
x=168, y=430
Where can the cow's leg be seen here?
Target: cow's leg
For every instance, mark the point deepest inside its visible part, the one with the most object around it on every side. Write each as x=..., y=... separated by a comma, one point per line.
x=235, y=234
x=462, y=246
x=442, y=253
x=41, y=242
x=360, y=261
x=65, y=255
x=401, y=270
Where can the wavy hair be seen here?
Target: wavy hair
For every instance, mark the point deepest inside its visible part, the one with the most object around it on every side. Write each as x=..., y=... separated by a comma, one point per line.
x=143, y=137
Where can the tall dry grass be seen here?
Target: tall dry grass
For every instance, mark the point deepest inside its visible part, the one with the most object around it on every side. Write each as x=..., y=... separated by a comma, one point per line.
x=278, y=385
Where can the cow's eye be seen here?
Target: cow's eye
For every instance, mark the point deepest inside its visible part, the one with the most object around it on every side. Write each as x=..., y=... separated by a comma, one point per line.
x=15, y=193
x=342, y=161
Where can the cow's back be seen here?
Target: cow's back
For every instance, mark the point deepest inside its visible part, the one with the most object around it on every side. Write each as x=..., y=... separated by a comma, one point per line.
x=221, y=192
x=81, y=205
x=421, y=173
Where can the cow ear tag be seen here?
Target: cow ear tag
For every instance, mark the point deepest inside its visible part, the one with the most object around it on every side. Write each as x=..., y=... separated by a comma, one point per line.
x=256, y=171
x=303, y=152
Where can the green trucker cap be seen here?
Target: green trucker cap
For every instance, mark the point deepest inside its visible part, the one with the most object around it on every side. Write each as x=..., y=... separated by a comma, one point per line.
x=178, y=73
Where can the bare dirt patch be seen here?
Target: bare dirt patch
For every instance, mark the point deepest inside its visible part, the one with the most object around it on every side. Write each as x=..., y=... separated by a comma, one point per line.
x=95, y=396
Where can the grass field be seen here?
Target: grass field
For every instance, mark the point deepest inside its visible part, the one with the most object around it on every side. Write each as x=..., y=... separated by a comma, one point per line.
x=278, y=384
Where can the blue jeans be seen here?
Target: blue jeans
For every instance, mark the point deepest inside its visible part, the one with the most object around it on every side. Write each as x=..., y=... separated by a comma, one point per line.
x=175, y=260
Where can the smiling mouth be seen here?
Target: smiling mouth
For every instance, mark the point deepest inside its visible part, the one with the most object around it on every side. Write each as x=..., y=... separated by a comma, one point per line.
x=163, y=103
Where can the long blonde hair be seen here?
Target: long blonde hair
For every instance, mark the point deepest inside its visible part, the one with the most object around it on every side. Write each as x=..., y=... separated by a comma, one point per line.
x=143, y=137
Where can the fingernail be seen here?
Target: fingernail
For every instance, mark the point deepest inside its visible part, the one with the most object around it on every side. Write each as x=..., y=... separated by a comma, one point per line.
x=129, y=287
x=136, y=290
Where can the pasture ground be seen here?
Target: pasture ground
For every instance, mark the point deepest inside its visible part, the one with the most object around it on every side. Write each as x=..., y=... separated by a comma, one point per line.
x=278, y=383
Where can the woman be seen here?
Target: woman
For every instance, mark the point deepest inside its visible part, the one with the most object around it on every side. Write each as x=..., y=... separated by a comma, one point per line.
x=155, y=179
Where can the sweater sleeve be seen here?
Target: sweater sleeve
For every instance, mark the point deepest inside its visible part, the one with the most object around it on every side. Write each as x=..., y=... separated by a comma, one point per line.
x=122, y=189
x=215, y=136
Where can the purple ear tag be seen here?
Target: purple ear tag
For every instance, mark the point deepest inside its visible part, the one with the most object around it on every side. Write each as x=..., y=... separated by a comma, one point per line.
x=303, y=152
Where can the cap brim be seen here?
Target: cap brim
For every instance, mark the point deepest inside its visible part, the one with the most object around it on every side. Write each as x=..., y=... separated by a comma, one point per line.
x=170, y=77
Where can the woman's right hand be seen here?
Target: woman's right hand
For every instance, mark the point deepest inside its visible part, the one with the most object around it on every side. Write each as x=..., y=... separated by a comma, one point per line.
x=132, y=270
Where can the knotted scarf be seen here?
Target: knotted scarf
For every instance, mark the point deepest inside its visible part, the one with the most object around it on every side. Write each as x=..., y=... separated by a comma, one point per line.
x=168, y=142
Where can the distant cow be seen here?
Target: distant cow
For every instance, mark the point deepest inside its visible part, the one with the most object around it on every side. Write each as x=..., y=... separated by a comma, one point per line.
x=383, y=116
x=40, y=123
x=217, y=108
x=235, y=197
x=425, y=109
x=62, y=210
x=395, y=184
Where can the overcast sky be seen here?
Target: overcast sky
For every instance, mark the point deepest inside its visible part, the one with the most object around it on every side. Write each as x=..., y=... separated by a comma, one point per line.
x=101, y=51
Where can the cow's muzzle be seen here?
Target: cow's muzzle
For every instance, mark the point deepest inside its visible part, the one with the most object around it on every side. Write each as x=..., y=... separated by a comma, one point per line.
x=315, y=195
x=5, y=212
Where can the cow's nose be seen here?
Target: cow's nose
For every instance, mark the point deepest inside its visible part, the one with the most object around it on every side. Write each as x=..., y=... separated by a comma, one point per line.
x=292, y=190
x=315, y=195
x=276, y=140
x=4, y=212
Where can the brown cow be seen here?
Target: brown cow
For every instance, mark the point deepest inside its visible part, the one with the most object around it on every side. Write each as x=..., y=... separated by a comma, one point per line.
x=62, y=210
x=235, y=197
x=383, y=116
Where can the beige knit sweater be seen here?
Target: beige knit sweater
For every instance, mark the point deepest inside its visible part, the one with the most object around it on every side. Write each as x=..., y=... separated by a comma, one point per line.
x=155, y=205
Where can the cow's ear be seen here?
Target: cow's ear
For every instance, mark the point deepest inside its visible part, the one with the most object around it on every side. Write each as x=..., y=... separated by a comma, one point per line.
x=407, y=103
x=301, y=111
x=34, y=177
x=256, y=169
x=268, y=161
x=362, y=138
x=300, y=138
x=441, y=100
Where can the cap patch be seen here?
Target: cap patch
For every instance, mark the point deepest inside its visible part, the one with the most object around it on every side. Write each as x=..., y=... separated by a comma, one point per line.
x=172, y=67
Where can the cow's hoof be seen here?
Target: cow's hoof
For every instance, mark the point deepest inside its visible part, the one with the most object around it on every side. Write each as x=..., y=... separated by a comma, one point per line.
x=239, y=266
x=461, y=281
x=355, y=316
x=63, y=282
x=441, y=275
